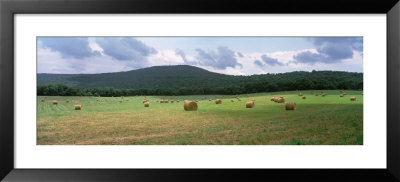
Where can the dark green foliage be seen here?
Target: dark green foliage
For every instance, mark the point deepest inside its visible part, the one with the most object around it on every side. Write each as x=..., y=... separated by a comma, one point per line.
x=190, y=80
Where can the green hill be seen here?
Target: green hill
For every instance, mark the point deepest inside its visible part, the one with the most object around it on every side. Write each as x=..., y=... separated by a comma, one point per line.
x=188, y=78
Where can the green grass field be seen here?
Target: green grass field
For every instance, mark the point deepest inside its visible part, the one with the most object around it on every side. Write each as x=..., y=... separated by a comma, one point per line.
x=317, y=120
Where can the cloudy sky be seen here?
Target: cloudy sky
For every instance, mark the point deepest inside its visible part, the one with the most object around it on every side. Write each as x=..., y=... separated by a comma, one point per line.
x=228, y=55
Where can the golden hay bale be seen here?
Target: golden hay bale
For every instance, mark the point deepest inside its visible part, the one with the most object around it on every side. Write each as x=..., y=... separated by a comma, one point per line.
x=290, y=106
x=218, y=101
x=316, y=94
x=304, y=97
x=276, y=99
x=341, y=95
x=250, y=104
x=353, y=98
x=272, y=99
x=324, y=94
x=78, y=107
x=172, y=101
x=166, y=101
x=300, y=94
x=239, y=99
x=146, y=104
x=209, y=99
x=232, y=101
x=54, y=102
x=189, y=105
x=281, y=100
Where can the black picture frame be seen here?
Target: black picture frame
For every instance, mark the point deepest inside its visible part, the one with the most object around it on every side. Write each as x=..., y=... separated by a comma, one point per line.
x=9, y=8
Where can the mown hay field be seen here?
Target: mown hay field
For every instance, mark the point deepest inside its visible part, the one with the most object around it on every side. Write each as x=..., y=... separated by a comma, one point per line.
x=317, y=120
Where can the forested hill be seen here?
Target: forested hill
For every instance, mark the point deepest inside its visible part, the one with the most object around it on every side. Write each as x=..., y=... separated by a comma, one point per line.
x=185, y=79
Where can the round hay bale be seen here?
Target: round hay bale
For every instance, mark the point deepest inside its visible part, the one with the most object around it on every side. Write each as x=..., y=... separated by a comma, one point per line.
x=189, y=105
x=316, y=94
x=218, y=101
x=54, y=102
x=172, y=101
x=78, y=107
x=209, y=99
x=290, y=106
x=300, y=94
x=276, y=99
x=232, y=101
x=324, y=94
x=146, y=104
x=304, y=97
x=120, y=101
x=177, y=101
x=239, y=100
x=250, y=104
x=281, y=100
x=166, y=101
x=272, y=99
x=353, y=98
x=67, y=101
x=341, y=95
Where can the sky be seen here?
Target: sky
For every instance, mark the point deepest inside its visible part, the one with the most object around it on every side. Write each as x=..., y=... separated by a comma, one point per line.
x=227, y=55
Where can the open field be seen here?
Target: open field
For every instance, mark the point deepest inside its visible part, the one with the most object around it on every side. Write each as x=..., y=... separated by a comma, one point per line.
x=329, y=120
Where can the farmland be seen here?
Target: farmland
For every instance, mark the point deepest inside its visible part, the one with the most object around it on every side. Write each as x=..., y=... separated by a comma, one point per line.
x=317, y=120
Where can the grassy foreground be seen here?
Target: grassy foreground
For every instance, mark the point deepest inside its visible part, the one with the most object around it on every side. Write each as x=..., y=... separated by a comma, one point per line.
x=317, y=120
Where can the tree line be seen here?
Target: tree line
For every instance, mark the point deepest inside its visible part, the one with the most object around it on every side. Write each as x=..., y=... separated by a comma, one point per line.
x=254, y=85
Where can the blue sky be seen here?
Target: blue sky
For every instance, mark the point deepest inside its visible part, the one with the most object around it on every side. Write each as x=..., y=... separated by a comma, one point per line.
x=228, y=55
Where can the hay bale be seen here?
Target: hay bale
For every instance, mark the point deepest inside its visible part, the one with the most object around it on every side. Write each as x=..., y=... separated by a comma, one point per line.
x=78, y=107
x=218, y=101
x=316, y=94
x=250, y=104
x=239, y=100
x=290, y=106
x=172, y=101
x=146, y=104
x=304, y=97
x=54, y=102
x=120, y=101
x=177, y=101
x=67, y=101
x=272, y=99
x=276, y=99
x=209, y=99
x=189, y=105
x=353, y=98
x=341, y=95
x=300, y=94
x=166, y=101
x=281, y=100
x=232, y=101
x=324, y=94
x=42, y=100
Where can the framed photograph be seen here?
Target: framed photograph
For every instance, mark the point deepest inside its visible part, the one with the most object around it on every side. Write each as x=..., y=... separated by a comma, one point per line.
x=177, y=90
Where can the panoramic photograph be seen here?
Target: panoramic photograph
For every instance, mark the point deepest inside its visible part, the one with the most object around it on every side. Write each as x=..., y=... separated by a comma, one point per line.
x=199, y=91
